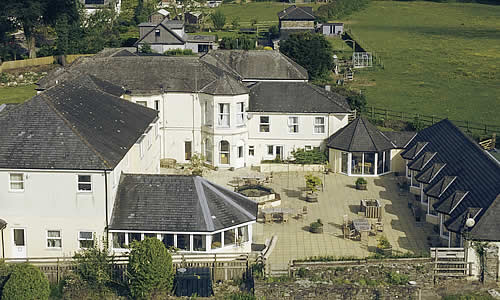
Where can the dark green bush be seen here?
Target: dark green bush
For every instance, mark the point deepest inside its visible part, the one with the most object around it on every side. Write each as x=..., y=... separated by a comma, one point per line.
x=304, y=157
x=150, y=269
x=238, y=42
x=94, y=267
x=241, y=296
x=4, y=275
x=26, y=282
x=357, y=102
x=338, y=9
x=397, y=278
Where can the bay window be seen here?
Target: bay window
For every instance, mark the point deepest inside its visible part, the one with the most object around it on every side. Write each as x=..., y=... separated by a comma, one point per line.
x=223, y=115
x=240, y=113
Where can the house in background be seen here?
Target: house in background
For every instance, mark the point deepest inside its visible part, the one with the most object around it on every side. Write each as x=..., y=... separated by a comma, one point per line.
x=296, y=19
x=193, y=17
x=61, y=158
x=158, y=16
x=169, y=35
x=332, y=29
x=91, y=6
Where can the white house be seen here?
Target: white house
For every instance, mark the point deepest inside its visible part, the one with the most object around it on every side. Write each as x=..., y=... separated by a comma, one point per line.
x=61, y=157
x=218, y=104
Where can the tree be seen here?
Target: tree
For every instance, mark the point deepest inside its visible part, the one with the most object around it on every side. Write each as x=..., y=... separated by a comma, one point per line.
x=218, y=19
x=357, y=101
x=310, y=50
x=144, y=9
x=184, y=6
x=150, y=269
x=146, y=48
x=274, y=31
x=94, y=267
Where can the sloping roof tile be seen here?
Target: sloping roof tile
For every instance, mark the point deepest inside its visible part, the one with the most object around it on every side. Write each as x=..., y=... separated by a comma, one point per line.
x=297, y=13
x=177, y=203
x=430, y=173
x=360, y=136
x=420, y=163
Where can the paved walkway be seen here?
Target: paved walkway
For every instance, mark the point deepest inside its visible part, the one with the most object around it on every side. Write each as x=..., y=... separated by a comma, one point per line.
x=338, y=198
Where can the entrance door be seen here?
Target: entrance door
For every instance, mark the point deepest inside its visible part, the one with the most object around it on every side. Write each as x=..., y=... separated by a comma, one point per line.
x=187, y=150
x=279, y=152
x=19, y=236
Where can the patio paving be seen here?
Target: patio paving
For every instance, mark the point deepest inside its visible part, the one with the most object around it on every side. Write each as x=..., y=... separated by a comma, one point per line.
x=338, y=198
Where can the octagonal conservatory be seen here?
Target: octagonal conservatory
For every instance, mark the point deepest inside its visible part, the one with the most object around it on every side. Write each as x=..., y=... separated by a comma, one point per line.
x=360, y=149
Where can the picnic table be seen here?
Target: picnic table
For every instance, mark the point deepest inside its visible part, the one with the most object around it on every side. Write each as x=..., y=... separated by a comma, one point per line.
x=361, y=225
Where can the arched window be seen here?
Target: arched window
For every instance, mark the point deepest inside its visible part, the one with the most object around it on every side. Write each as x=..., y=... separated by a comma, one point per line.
x=224, y=153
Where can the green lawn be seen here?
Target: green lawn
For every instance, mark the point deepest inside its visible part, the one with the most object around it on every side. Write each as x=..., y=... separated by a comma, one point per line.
x=17, y=94
x=439, y=58
x=261, y=11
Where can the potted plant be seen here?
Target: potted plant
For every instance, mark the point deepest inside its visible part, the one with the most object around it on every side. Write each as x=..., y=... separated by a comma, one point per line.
x=361, y=183
x=328, y=168
x=316, y=227
x=384, y=247
x=312, y=183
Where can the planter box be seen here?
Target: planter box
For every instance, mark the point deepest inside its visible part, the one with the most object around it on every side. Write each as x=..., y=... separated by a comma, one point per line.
x=311, y=197
x=290, y=168
x=384, y=252
x=361, y=186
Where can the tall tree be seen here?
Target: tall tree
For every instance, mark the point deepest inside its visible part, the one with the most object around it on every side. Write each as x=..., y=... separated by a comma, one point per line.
x=310, y=50
x=218, y=19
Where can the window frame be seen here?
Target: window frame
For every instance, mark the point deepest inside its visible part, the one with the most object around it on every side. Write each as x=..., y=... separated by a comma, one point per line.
x=240, y=113
x=14, y=181
x=292, y=126
x=316, y=125
x=59, y=238
x=157, y=105
x=251, y=150
x=241, y=151
x=78, y=182
x=80, y=239
x=270, y=147
x=222, y=115
x=268, y=124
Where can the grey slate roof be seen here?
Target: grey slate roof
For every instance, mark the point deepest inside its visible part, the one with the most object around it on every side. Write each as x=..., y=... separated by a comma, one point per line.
x=420, y=163
x=73, y=125
x=471, y=168
x=143, y=74
x=177, y=203
x=430, y=173
x=360, y=136
x=256, y=64
x=225, y=85
x=297, y=13
x=295, y=97
x=449, y=204
x=400, y=138
x=167, y=35
x=487, y=227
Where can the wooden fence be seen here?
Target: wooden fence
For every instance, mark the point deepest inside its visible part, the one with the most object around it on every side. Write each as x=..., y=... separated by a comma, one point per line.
x=223, y=266
x=376, y=113
x=40, y=61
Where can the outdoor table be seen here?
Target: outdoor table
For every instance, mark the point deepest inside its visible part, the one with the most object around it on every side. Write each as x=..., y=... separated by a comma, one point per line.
x=275, y=210
x=361, y=225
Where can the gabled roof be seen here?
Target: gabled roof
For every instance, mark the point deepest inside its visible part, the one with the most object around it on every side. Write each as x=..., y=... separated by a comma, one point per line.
x=414, y=150
x=176, y=203
x=450, y=203
x=457, y=224
x=295, y=97
x=73, y=125
x=167, y=34
x=360, y=136
x=438, y=188
x=419, y=163
x=225, y=85
x=430, y=173
x=297, y=13
x=468, y=169
x=256, y=64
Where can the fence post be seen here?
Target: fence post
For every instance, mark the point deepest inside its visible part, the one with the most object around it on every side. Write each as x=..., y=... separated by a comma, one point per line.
x=373, y=112
x=485, y=129
x=386, y=115
x=402, y=117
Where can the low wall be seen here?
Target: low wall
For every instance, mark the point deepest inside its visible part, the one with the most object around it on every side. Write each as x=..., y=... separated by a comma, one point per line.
x=290, y=168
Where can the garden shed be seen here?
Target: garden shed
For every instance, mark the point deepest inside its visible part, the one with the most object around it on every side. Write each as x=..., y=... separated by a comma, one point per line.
x=185, y=212
x=360, y=149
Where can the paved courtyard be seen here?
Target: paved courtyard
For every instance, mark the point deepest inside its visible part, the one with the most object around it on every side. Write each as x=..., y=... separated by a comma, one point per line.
x=338, y=198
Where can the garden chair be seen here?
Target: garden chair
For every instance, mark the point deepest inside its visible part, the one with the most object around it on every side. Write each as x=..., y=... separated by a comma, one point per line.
x=379, y=226
x=268, y=218
x=304, y=210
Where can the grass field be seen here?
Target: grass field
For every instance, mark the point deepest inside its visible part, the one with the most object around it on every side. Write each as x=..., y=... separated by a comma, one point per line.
x=439, y=58
x=17, y=94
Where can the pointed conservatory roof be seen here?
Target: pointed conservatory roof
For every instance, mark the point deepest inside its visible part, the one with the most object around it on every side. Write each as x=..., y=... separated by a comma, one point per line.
x=360, y=136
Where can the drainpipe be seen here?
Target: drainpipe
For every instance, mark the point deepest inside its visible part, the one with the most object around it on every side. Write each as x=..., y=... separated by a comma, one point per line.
x=106, y=206
x=3, y=224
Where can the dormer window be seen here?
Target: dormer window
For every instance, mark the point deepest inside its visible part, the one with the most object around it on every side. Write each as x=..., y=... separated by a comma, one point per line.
x=157, y=32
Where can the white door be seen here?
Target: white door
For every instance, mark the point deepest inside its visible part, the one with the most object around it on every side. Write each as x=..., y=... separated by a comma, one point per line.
x=19, y=237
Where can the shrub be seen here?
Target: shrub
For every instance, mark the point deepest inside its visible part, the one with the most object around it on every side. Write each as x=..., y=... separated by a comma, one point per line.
x=360, y=180
x=304, y=157
x=383, y=242
x=397, y=278
x=178, y=52
x=316, y=225
x=357, y=102
x=26, y=282
x=4, y=275
x=312, y=182
x=218, y=19
x=149, y=269
x=94, y=267
x=274, y=31
x=146, y=48
x=240, y=296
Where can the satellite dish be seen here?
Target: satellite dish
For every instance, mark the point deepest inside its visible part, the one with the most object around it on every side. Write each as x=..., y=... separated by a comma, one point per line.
x=470, y=222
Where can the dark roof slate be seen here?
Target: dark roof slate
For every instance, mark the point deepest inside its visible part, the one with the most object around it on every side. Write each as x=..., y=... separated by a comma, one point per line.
x=450, y=203
x=487, y=227
x=414, y=150
x=360, y=136
x=457, y=224
x=400, y=138
x=256, y=64
x=420, y=163
x=225, y=85
x=177, y=203
x=71, y=126
x=297, y=13
x=295, y=97
x=473, y=170
x=430, y=173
